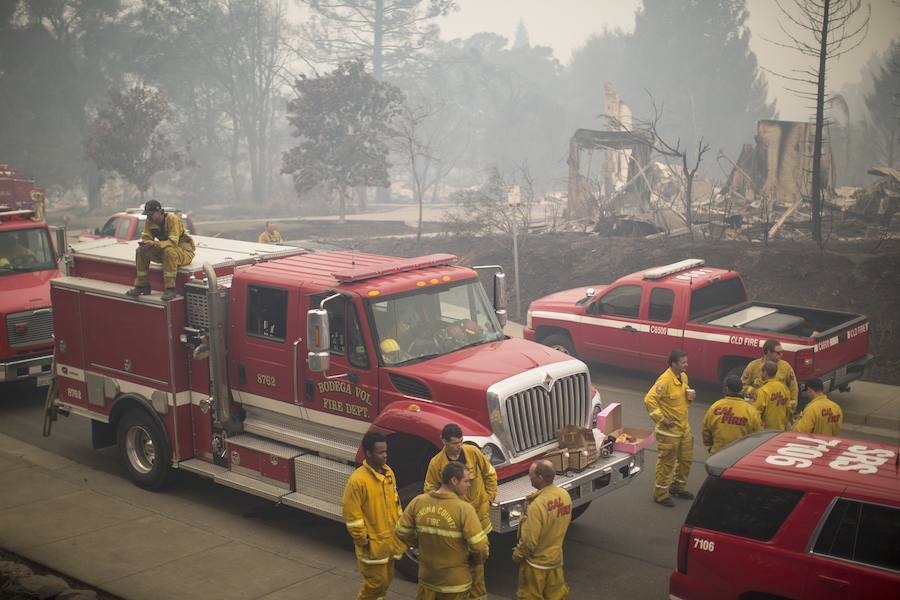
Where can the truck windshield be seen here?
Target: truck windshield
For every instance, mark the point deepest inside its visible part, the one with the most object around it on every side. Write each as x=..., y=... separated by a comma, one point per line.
x=433, y=321
x=25, y=250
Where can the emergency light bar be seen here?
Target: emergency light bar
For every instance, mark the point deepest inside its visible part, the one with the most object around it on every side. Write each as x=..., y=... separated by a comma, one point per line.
x=15, y=215
x=684, y=265
x=398, y=266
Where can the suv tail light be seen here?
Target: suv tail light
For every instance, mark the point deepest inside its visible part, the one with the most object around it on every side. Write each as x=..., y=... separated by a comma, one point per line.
x=684, y=545
x=805, y=361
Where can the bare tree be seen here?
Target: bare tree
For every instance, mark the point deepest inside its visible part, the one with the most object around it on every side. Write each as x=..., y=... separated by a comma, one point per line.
x=821, y=30
x=670, y=149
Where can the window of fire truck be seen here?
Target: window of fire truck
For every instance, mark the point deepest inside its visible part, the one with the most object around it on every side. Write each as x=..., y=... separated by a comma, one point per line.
x=25, y=250
x=433, y=321
x=266, y=312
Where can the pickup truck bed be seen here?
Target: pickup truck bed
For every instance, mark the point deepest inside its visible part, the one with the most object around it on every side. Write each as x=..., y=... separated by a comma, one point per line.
x=788, y=320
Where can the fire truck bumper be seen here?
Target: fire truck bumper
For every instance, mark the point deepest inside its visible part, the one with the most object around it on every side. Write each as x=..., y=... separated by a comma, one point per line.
x=840, y=379
x=36, y=366
x=602, y=477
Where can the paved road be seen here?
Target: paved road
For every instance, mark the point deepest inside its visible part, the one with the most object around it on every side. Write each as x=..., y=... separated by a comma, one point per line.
x=623, y=546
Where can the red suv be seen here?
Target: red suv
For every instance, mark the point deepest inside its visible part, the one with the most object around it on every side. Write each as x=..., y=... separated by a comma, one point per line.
x=128, y=225
x=793, y=515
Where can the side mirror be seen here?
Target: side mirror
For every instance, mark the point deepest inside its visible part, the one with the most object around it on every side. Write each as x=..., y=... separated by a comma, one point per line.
x=500, y=297
x=95, y=231
x=318, y=339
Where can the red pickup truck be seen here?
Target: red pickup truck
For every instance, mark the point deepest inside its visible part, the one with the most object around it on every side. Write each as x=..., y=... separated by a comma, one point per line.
x=634, y=323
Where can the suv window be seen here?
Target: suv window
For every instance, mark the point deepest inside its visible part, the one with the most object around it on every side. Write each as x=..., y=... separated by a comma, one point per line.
x=266, y=312
x=123, y=227
x=624, y=301
x=721, y=294
x=661, y=302
x=739, y=508
x=862, y=532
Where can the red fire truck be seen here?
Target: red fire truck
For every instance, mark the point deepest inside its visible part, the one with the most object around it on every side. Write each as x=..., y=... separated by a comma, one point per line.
x=28, y=262
x=271, y=363
x=635, y=321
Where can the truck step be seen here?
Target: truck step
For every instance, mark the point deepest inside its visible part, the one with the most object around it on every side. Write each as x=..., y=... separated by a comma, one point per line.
x=322, y=478
x=325, y=440
x=201, y=467
x=265, y=446
x=322, y=508
x=251, y=485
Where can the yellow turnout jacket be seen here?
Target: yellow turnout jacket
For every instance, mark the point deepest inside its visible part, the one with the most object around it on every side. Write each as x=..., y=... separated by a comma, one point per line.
x=447, y=531
x=171, y=234
x=752, y=377
x=667, y=398
x=543, y=528
x=483, y=488
x=727, y=420
x=773, y=401
x=822, y=416
x=371, y=511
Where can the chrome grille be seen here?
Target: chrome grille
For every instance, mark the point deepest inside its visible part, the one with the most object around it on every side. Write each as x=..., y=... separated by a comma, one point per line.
x=30, y=327
x=534, y=416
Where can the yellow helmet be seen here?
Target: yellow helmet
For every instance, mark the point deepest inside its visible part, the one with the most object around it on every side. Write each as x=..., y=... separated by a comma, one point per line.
x=389, y=345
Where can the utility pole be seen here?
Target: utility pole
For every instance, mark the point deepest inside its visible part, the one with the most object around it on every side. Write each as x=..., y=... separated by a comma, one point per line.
x=514, y=201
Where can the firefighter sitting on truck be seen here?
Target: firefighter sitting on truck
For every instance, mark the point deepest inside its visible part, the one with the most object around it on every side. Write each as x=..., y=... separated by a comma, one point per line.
x=730, y=418
x=164, y=240
x=12, y=254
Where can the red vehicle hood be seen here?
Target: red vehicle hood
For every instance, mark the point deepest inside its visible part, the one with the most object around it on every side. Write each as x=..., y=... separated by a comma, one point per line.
x=565, y=299
x=25, y=291
x=462, y=378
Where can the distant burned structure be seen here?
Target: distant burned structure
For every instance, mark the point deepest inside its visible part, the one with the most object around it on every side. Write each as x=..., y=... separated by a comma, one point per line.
x=775, y=174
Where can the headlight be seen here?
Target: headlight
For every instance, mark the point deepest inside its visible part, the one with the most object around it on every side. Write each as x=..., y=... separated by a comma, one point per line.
x=493, y=454
x=596, y=411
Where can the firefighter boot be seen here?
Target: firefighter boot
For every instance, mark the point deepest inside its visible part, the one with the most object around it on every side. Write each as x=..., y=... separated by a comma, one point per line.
x=138, y=290
x=169, y=294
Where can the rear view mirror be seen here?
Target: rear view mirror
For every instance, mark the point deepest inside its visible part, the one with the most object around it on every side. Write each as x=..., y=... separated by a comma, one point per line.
x=500, y=297
x=318, y=340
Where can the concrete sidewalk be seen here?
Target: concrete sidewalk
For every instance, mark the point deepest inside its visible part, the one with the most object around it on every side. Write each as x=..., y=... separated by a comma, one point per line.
x=100, y=529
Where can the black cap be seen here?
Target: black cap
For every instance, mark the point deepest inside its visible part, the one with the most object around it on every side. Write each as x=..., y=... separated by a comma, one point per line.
x=815, y=384
x=733, y=384
x=151, y=207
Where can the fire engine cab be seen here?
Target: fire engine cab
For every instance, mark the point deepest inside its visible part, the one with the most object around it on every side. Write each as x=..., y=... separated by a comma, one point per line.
x=27, y=263
x=266, y=370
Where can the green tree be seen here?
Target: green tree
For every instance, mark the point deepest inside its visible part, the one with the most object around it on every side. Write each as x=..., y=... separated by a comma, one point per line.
x=127, y=137
x=695, y=59
x=386, y=32
x=884, y=107
x=343, y=123
x=56, y=60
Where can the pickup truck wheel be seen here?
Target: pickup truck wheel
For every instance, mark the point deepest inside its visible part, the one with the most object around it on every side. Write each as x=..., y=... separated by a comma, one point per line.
x=408, y=566
x=144, y=449
x=560, y=342
x=580, y=510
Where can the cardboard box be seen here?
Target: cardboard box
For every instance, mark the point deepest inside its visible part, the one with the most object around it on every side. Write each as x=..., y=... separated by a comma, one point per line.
x=579, y=441
x=560, y=460
x=609, y=421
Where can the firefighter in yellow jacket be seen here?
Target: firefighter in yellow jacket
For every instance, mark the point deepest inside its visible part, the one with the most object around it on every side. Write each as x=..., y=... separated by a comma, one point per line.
x=541, y=535
x=270, y=235
x=752, y=377
x=371, y=512
x=730, y=418
x=667, y=402
x=481, y=492
x=164, y=240
x=448, y=534
x=773, y=400
x=822, y=415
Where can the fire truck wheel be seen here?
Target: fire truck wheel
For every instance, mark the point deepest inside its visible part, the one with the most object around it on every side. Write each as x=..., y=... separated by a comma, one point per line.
x=144, y=449
x=579, y=510
x=408, y=566
x=560, y=342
